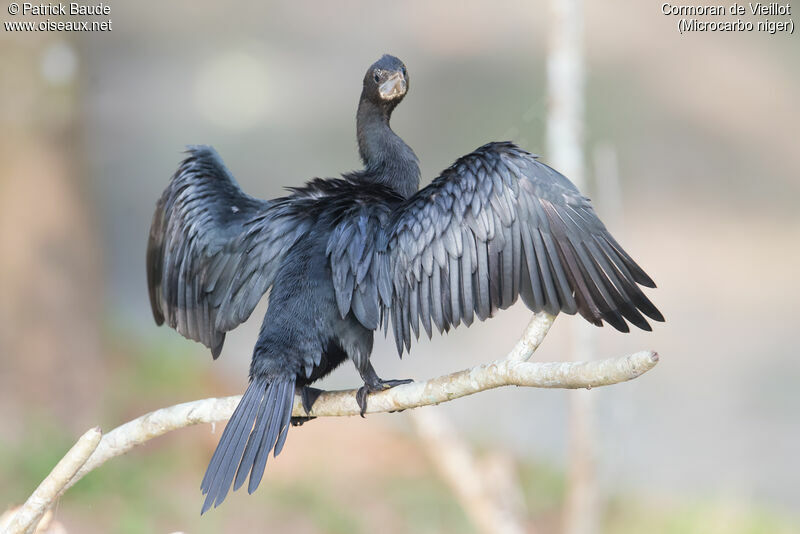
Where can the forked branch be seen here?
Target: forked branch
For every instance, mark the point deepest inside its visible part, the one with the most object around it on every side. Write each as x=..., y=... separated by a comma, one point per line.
x=513, y=370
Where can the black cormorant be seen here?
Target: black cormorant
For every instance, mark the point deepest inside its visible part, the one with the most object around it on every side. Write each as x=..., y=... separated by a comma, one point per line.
x=343, y=256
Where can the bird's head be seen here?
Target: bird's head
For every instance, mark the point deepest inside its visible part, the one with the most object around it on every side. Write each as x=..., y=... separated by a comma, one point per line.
x=386, y=82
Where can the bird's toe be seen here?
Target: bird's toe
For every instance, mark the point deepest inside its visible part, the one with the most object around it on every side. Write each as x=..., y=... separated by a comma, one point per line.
x=393, y=383
x=361, y=398
x=308, y=396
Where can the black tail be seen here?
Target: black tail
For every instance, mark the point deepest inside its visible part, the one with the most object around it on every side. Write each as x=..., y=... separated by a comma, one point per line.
x=259, y=424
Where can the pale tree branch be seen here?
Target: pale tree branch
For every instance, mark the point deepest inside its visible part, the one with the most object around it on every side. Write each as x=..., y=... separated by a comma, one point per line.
x=514, y=370
x=28, y=516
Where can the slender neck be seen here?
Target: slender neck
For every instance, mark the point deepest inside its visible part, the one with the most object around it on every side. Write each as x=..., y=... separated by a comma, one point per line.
x=387, y=159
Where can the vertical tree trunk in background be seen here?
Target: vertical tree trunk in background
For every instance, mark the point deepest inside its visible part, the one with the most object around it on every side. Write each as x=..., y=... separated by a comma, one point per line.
x=490, y=494
x=50, y=283
x=565, y=89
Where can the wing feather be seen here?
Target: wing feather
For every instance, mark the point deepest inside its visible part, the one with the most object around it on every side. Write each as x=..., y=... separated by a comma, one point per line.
x=497, y=225
x=213, y=250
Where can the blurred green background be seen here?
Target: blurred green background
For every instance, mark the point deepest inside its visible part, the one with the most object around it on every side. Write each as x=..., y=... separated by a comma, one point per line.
x=704, y=129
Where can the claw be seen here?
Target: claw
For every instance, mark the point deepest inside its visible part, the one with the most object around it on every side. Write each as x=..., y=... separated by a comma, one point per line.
x=309, y=396
x=361, y=398
x=379, y=385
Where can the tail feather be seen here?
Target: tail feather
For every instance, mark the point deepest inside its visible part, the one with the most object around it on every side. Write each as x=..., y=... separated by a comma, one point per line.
x=259, y=424
x=279, y=424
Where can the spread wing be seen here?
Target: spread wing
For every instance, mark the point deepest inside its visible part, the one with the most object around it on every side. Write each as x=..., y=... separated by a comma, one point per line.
x=213, y=250
x=497, y=225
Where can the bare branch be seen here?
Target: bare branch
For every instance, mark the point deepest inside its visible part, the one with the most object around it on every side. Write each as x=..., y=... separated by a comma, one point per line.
x=514, y=370
x=569, y=375
x=532, y=337
x=28, y=516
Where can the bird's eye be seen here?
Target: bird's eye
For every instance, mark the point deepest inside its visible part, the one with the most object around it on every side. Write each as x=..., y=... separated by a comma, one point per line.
x=376, y=77
x=403, y=71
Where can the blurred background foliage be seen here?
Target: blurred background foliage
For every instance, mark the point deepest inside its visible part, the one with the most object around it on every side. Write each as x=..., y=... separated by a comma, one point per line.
x=705, y=131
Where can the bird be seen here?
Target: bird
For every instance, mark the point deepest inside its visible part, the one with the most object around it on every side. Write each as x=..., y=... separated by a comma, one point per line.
x=342, y=257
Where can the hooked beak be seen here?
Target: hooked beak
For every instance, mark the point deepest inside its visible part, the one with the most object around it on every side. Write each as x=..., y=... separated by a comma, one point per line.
x=394, y=87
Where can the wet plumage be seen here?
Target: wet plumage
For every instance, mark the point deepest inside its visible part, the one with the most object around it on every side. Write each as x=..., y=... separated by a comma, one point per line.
x=345, y=256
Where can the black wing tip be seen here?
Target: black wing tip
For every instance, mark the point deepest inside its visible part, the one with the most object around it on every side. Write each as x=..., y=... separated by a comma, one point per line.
x=216, y=349
x=618, y=325
x=637, y=303
x=621, y=324
x=646, y=281
x=656, y=315
x=616, y=320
